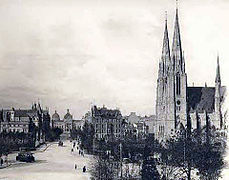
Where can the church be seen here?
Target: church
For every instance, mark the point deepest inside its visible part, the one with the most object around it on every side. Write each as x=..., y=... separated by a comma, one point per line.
x=175, y=101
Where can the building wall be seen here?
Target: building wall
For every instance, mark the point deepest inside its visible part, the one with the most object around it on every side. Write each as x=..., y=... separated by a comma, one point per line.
x=15, y=127
x=103, y=127
x=106, y=122
x=19, y=120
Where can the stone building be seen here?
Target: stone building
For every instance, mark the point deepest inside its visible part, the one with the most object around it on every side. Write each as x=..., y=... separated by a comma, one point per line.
x=56, y=122
x=133, y=118
x=21, y=120
x=175, y=101
x=107, y=122
x=137, y=125
x=150, y=122
x=67, y=123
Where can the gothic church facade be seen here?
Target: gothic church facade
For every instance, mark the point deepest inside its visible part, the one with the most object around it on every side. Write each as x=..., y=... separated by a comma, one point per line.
x=175, y=101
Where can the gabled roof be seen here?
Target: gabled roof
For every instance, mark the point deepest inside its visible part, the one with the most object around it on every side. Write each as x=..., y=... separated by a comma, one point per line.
x=25, y=113
x=202, y=98
x=106, y=113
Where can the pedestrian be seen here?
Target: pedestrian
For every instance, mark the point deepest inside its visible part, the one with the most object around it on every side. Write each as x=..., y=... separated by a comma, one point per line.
x=75, y=166
x=84, y=169
x=1, y=161
x=6, y=159
x=72, y=150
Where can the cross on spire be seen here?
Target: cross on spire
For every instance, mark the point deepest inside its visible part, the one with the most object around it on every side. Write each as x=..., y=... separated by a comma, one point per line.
x=166, y=16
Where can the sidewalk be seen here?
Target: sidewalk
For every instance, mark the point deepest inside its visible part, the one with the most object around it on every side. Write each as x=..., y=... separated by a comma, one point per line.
x=3, y=166
x=44, y=147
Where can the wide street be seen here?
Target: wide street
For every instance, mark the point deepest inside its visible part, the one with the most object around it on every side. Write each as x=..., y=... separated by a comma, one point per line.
x=55, y=163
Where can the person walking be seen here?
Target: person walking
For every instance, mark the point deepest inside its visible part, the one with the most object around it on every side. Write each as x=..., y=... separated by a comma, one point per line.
x=75, y=166
x=84, y=169
x=1, y=161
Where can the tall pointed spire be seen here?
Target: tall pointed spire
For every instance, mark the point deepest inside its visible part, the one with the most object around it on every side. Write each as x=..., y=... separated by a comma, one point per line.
x=218, y=95
x=165, y=49
x=176, y=47
x=217, y=78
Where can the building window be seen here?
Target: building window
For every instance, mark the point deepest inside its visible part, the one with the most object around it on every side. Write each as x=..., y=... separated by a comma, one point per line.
x=178, y=84
x=178, y=108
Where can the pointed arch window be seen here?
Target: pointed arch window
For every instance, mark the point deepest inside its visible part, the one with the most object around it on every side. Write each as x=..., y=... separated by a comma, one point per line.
x=178, y=86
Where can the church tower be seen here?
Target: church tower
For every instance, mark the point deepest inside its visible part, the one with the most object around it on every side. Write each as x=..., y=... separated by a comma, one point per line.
x=177, y=105
x=171, y=102
x=180, y=76
x=162, y=86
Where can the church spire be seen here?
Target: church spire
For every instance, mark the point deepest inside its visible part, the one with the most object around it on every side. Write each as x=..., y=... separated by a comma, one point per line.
x=218, y=112
x=165, y=58
x=176, y=47
x=217, y=78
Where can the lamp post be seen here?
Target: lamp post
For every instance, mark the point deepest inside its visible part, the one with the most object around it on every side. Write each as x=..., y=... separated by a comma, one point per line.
x=121, y=158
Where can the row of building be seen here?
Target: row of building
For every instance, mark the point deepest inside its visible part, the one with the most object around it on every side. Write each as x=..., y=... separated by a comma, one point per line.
x=110, y=123
x=26, y=120
x=36, y=119
x=106, y=122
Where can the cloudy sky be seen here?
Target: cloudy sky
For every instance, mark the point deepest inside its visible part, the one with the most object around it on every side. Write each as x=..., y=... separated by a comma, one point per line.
x=72, y=53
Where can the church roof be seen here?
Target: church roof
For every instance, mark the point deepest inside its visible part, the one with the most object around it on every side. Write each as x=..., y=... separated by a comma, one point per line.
x=21, y=112
x=25, y=113
x=202, y=98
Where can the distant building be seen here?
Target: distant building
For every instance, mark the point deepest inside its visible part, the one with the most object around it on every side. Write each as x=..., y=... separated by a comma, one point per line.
x=21, y=120
x=150, y=122
x=107, y=122
x=133, y=118
x=67, y=123
x=56, y=122
x=138, y=125
x=78, y=123
x=87, y=117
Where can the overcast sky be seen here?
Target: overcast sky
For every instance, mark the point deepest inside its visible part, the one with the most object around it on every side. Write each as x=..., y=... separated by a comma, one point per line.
x=72, y=53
